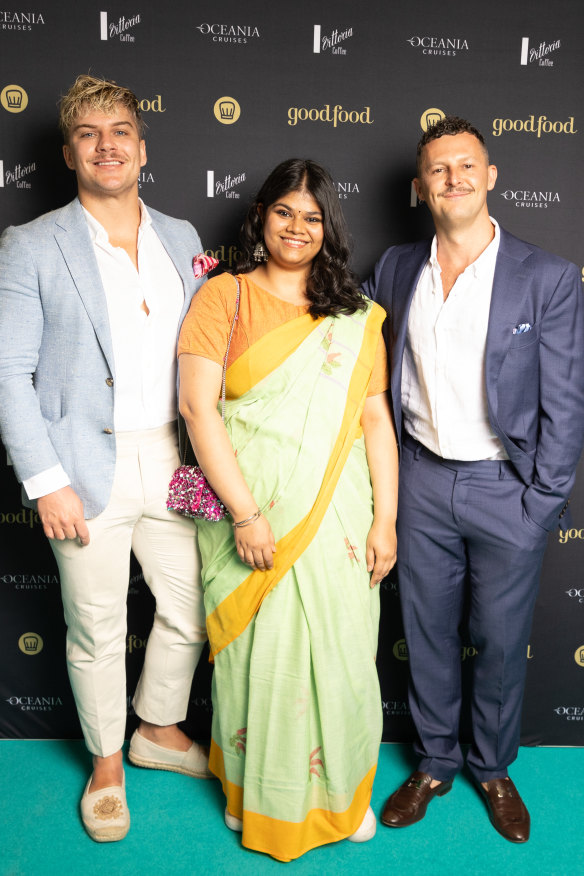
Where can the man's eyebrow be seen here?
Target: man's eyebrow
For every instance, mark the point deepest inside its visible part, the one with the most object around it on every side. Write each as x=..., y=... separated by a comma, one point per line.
x=93, y=127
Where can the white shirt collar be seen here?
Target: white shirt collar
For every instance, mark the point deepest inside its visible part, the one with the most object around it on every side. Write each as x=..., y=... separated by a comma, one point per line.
x=98, y=233
x=480, y=265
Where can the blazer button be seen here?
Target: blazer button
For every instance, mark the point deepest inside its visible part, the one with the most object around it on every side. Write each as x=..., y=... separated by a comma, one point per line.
x=110, y=381
x=108, y=431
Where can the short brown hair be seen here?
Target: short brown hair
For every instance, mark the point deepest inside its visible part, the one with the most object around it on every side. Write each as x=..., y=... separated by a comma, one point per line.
x=90, y=93
x=448, y=126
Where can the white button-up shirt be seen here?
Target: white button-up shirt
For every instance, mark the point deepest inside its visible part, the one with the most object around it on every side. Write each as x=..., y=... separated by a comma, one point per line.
x=444, y=397
x=144, y=345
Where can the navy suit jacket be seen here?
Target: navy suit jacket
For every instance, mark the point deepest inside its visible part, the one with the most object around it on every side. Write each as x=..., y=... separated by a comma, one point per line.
x=534, y=380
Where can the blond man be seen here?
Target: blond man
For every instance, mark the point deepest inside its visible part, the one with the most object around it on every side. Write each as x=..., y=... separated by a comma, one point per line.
x=92, y=297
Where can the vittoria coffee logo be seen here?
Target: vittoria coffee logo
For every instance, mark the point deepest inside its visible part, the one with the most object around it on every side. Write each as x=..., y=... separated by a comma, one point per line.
x=579, y=655
x=430, y=116
x=17, y=176
x=328, y=114
x=135, y=579
x=22, y=581
x=345, y=189
x=229, y=33
x=225, y=186
x=570, y=534
x=531, y=198
x=227, y=255
x=35, y=704
x=395, y=708
x=14, y=99
x=26, y=517
x=227, y=110
x=531, y=125
x=539, y=53
x=118, y=29
x=331, y=42
x=438, y=45
x=31, y=643
x=570, y=713
x=18, y=20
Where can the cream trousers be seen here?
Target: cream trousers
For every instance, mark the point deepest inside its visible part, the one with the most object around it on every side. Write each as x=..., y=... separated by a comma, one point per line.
x=94, y=586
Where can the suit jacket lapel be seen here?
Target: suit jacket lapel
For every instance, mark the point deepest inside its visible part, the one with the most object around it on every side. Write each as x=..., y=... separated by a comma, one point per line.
x=72, y=236
x=407, y=273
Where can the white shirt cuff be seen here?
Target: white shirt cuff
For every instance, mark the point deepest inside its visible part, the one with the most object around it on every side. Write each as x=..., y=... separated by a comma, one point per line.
x=46, y=482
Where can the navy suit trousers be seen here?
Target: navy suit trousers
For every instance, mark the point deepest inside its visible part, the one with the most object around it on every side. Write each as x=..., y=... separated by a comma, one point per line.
x=462, y=524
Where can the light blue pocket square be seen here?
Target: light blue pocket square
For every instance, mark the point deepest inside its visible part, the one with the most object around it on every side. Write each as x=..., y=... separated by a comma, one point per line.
x=522, y=328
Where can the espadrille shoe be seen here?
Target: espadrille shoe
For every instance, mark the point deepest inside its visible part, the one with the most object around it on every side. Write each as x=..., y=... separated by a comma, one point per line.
x=105, y=813
x=366, y=829
x=194, y=762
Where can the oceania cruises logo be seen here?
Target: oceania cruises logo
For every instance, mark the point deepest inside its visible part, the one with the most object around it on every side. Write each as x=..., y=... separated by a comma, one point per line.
x=35, y=704
x=531, y=198
x=229, y=33
x=438, y=45
x=120, y=28
x=538, y=53
x=224, y=186
x=332, y=42
x=345, y=189
x=570, y=713
x=19, y=20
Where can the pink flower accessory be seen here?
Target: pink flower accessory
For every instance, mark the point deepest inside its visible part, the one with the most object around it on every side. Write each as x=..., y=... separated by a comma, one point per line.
x=202, y=264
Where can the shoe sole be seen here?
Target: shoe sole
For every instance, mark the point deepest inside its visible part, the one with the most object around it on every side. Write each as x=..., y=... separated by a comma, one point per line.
x=108, y=836
x=169, y=768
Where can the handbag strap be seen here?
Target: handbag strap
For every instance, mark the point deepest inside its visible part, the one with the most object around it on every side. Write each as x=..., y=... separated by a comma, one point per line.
x=236, y=314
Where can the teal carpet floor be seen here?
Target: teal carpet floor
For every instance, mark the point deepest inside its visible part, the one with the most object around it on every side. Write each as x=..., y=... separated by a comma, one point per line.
x=177, y=823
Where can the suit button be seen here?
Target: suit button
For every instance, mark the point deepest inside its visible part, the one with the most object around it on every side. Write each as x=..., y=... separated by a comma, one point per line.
x=110, y=381
x=108, y=431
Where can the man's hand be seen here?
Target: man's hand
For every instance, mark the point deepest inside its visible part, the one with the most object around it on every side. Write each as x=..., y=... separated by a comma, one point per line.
x=61, y=514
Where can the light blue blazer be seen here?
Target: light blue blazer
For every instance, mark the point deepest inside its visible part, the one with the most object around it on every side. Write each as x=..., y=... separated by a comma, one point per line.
x=534, y=378
x=56, y=356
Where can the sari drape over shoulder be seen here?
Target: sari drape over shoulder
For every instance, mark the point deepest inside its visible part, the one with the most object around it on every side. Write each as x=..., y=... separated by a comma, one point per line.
x=297, y=709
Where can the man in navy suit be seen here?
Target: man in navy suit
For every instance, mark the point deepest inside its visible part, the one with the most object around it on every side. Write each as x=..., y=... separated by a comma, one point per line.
x=92, y=296
x=486, y=338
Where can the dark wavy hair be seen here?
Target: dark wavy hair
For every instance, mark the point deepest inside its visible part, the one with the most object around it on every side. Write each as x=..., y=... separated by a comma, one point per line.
x=448, y=126
x=331, y=287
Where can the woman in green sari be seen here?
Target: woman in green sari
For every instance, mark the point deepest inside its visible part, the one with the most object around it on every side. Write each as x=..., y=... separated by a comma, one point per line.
x=306, y=465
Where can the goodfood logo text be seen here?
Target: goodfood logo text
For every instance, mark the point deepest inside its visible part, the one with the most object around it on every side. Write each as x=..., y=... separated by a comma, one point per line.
x=35, y=704
x=570, y=534
x=335, y=115
x=229, y=33
x=531, y=125
x=330, y=42
x=17, y=176
x=434, y=45
x=109, y=30
x=528, y=198
x=228, y=255
x=20, y=20
x=540, y=53
x=570, y=713
x=224, y=187
x=26, y=517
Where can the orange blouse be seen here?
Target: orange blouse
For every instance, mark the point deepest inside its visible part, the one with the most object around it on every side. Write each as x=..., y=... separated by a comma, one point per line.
x=206, y=327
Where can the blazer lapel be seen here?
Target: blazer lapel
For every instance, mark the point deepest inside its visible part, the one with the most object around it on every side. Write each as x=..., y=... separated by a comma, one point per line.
x=407, y=273
x=72, y=236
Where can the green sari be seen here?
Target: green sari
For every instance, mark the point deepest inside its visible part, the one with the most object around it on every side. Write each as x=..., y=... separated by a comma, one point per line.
x=297, y=709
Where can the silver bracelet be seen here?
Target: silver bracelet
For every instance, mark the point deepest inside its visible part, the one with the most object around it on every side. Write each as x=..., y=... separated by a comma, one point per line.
x=247, y=520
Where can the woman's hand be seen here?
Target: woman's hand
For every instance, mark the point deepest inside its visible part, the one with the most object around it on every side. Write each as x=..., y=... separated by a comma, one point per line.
x=381, y=551
x=255, y=544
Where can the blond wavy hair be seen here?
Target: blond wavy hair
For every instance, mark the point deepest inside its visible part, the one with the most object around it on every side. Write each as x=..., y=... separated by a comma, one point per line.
x=89, y=93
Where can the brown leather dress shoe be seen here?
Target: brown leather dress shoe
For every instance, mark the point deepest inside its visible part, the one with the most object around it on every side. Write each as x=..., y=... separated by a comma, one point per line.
x=507, y=810
x=409, y=803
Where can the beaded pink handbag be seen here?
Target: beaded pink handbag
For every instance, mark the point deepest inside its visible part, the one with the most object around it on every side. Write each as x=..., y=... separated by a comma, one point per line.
x=189, y=492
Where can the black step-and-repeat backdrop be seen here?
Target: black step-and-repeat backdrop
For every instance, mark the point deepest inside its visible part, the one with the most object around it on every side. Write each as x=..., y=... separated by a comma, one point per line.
x=228, y=90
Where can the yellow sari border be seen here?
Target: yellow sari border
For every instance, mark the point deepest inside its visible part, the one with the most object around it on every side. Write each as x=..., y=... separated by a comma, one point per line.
x=231, y=617
x=267, y=354
x=286, y=840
